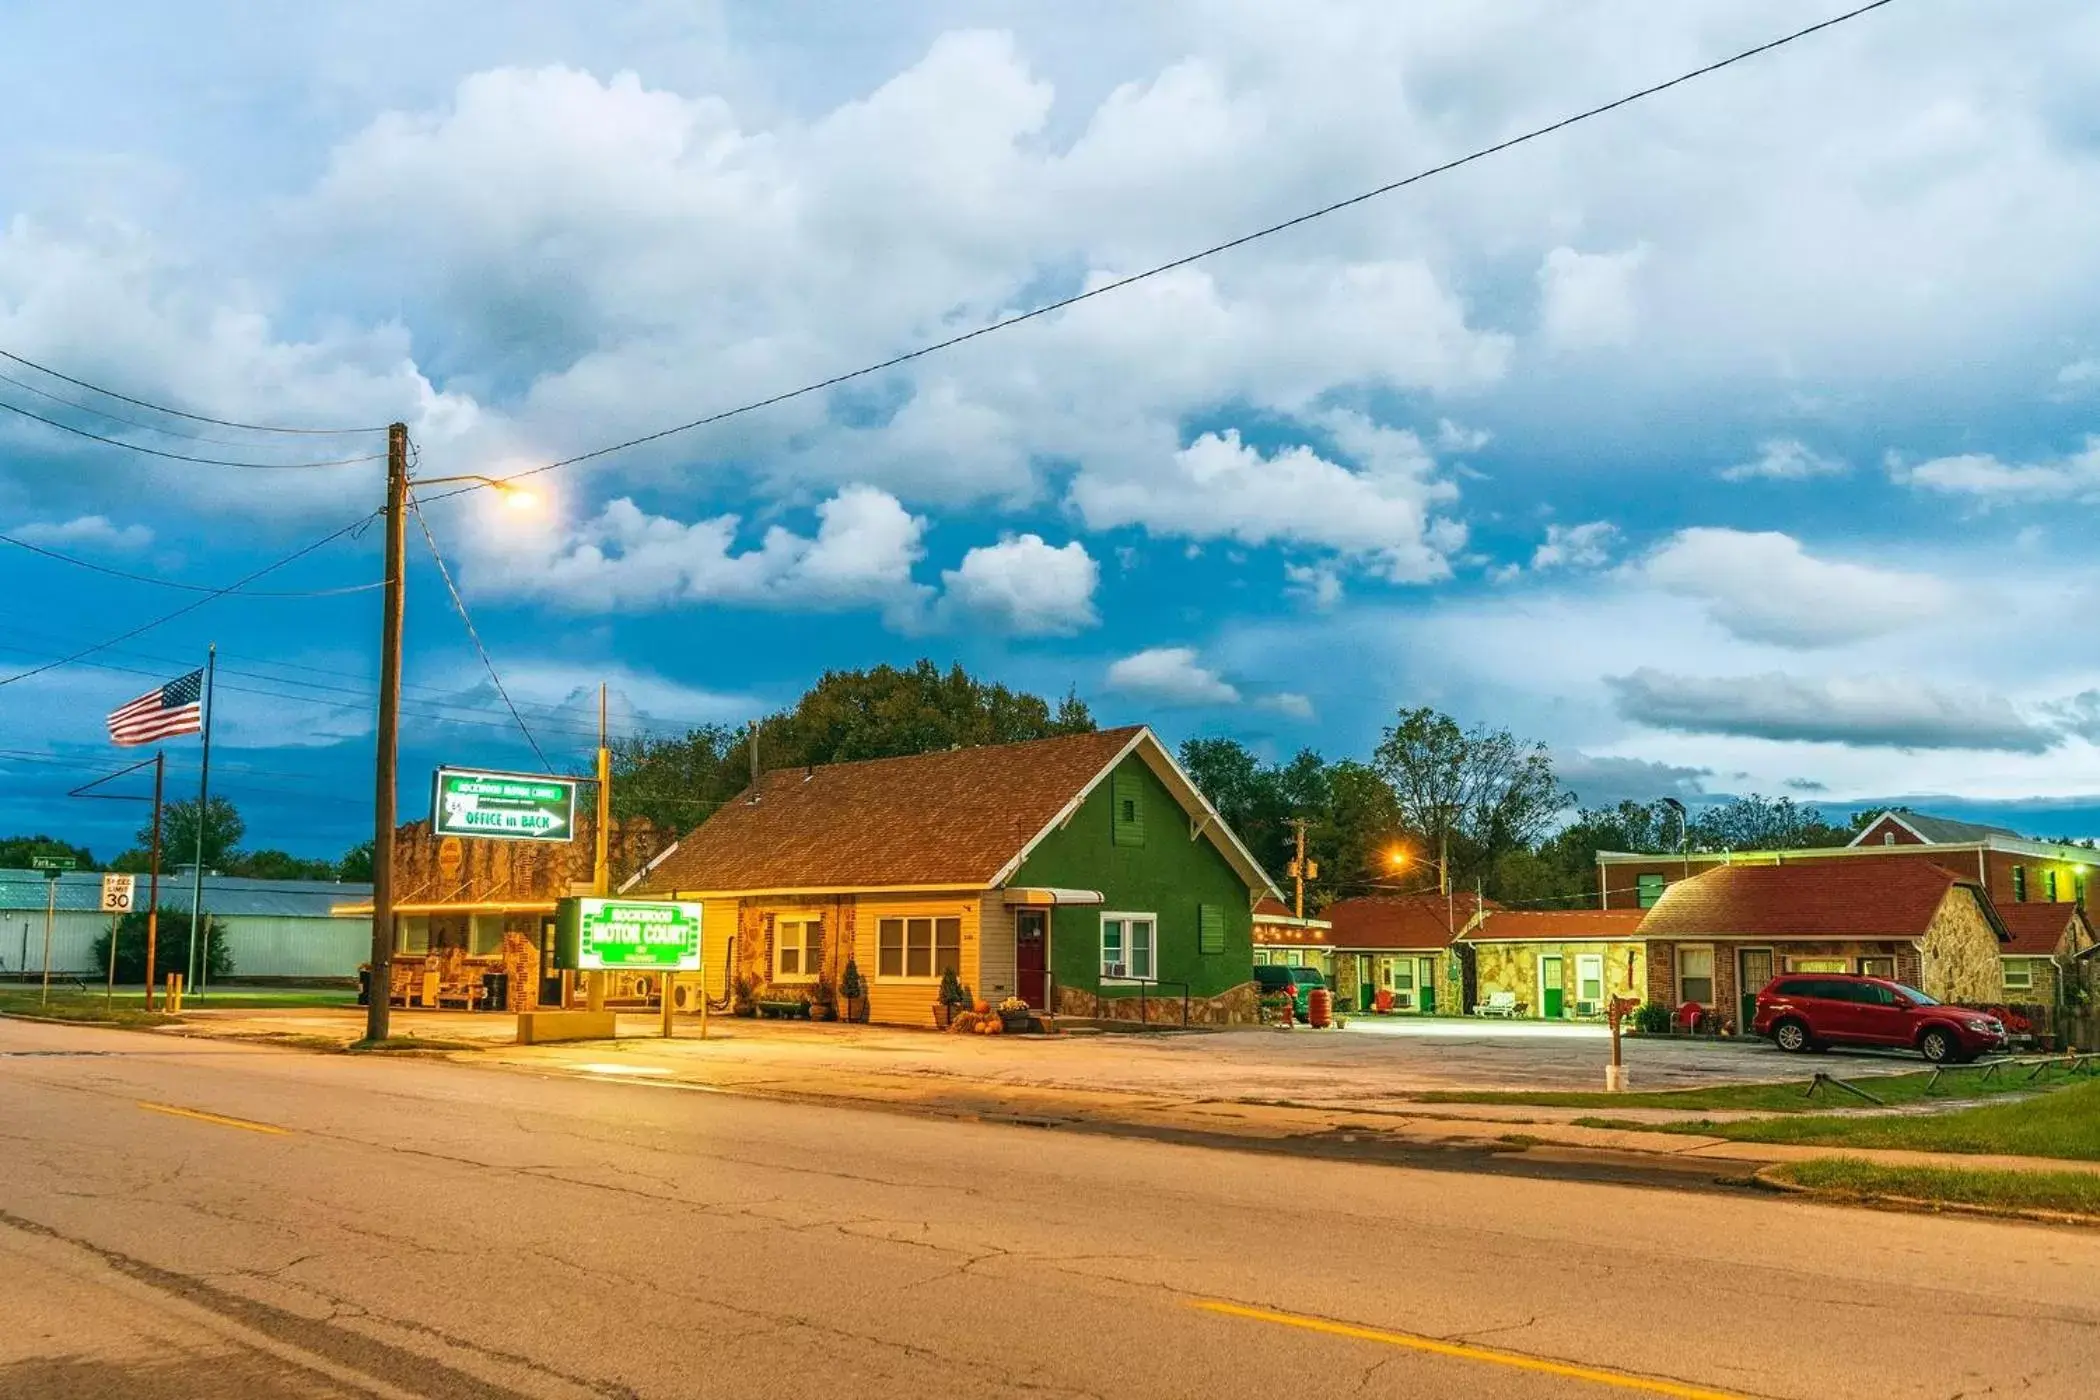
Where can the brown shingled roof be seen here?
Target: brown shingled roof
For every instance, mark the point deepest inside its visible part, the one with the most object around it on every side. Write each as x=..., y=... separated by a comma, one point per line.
x=1881, y=897
x=955, y=817
x=1400, y=920
x=1557, y=925
x=2037, y=929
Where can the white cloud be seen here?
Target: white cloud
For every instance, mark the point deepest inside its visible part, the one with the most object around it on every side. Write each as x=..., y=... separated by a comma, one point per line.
x=860, y=556
x=1024, y=586
x=1458, y=438
x=1317, y=585
x=1990, y=479
x=1764, y=587
x=1784, y=459
x=1885, y=711
x=1171, y=676
x=1288, y=703
x=1585, y=546
x=94, y=531
x=1586, y=300
x=2079, y=374
x=1380, y=514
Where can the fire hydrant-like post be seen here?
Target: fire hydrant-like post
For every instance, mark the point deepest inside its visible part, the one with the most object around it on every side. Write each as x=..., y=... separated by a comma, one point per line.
x=1616, y=1013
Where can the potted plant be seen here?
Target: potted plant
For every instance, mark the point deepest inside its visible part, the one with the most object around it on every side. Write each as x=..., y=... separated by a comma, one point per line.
x=954, y=996
x=742, y=998
x=824, y=1001
x=1015, y=1014
x=855, y=992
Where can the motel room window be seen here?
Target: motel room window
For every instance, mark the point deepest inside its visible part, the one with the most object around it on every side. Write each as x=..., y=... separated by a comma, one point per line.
x=1649, y=889
x=1818, y=965
x=1589, y=981
x=1129, y=948
x=1878, y=967
x=917, y=950
x=1695, y=975
x=484, y=934
x=2019, y=975
x=798, y=949
x=2019, y=884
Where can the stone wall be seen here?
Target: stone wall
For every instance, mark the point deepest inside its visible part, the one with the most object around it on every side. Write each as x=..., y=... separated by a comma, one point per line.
x=1236, y=1006
x=461, y=870
x=1514, y=968
x=1959, y=960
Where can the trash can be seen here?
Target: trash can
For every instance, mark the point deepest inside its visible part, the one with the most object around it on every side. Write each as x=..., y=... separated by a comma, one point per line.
x=495, y=991
x=364, y=986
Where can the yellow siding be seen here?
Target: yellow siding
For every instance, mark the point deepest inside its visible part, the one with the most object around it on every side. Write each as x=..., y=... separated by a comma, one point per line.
x=1514, y=967
x=995, y=955
x=910, y=1002
x=717, y=930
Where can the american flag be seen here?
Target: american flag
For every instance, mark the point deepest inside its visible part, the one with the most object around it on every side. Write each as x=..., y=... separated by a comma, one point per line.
x=161, y=713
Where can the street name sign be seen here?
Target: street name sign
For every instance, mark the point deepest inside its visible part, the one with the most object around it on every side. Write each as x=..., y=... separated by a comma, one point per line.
x=117, y=892
x=503, y=806
x=53, y=866
x=635, y=935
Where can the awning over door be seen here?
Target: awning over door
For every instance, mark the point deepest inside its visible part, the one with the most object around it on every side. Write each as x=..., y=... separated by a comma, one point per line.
x=1044, y=896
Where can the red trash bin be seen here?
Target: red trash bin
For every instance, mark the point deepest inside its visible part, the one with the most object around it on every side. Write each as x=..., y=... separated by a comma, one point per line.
x=1319, y=1008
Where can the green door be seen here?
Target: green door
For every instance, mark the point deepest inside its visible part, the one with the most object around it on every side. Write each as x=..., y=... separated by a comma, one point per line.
x=1550, y=998
x=1425, y=986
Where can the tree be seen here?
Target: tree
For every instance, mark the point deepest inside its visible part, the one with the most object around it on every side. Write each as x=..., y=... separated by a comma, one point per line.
x=223, y=829
x=356, y=863
x=277, y=865
x=171, y=946
x=1350, y=814
x=1759, y=823
x=1478, y=791
x=15, y=851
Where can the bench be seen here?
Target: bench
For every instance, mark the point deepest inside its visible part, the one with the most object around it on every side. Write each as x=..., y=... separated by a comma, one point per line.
x=1503, y=1004
x=797, y=1009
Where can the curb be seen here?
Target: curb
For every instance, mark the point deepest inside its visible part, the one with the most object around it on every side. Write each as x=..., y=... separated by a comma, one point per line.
x=1767, y=1178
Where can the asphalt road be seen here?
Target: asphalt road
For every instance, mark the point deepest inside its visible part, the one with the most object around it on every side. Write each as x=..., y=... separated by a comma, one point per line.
x=188, y=1219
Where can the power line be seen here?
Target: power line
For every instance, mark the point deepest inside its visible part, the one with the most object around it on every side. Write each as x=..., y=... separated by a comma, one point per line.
x=140, y=423
x=459, y=605
x=93, y=567
x=188, y=608
x=1213, y=250
x=186, y=457
x=178, y=413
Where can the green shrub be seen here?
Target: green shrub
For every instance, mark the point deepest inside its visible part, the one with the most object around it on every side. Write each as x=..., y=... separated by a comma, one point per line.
x=171, y=947
x=1653, y=1018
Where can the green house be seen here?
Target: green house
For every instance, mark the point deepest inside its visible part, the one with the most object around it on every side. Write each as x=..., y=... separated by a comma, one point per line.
x=1083, y=874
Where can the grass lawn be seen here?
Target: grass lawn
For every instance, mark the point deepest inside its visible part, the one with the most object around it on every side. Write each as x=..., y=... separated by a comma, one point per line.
x=2065, y=1123
x=1767, y=1098
x=71, y=1004
x=2077, y=1192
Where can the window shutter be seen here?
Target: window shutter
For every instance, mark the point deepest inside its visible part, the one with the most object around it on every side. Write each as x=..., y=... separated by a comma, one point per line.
x=813, y=950
x=1127, y=797
x=772, y=963
x=1210, y=928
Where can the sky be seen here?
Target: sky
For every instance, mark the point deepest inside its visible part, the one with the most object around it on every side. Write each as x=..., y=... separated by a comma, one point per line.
x=1744, y=439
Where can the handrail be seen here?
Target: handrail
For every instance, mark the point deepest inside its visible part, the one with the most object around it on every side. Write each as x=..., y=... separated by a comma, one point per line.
x=1144, y=1013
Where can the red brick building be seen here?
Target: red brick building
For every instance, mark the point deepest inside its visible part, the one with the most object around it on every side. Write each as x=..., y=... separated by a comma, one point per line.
x=2012, y=869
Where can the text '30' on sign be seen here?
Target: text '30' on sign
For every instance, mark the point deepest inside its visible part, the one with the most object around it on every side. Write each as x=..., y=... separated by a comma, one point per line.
x=503, y=806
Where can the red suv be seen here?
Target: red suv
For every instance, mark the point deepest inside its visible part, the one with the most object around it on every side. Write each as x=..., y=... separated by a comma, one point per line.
x=1816, y=1011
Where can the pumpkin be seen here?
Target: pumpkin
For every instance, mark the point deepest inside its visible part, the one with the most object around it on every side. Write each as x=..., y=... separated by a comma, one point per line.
x=982, y=1008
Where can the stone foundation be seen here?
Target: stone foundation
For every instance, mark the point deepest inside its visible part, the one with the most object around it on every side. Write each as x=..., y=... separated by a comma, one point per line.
x=1237, y=1006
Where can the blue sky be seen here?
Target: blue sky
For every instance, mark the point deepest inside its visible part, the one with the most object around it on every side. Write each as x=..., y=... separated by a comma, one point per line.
x=1741, y=440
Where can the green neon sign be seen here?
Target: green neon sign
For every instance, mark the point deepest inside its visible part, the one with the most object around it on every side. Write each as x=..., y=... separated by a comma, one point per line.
x=636, y=935
x=503, y=806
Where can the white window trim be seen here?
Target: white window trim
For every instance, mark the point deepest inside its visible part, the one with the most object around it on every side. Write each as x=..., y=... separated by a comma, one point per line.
x=807, y=974
x=2025, y=965
x=1713, y=971
x=1603, y=990
x=1124, y=916
x=906, y=979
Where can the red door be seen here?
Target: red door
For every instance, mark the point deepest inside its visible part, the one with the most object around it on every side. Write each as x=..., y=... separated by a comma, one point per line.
x=1032, y=957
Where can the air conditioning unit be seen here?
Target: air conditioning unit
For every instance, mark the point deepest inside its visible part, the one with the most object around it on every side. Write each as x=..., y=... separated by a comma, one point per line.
x=1114, y=970
x=1588, y=1008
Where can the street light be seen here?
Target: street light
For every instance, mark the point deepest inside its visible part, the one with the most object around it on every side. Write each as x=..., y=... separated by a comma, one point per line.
x=379, y=989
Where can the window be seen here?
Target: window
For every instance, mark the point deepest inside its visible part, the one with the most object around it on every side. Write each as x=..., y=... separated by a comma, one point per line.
x=917, y=950
x=1695, y=975
x=484, y=934
x=1650, y=889
x=1129, y=950
x=2019, y=884
x=2049, y=884
x=2019, y=975
x=1126, y=796
x=1210, y=928
x=1877, y=967
x=1261, y=957
x=415, y=935
x=1888, y=838
x=1589, y=977
x=1817, y=965
x=1294, y=958
x=798, y=949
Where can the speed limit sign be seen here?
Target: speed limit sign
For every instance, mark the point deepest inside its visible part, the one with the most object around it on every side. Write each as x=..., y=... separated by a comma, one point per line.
x=117, y=891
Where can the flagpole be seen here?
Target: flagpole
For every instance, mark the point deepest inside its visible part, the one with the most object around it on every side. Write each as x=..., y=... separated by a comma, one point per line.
x=160, y=768
x=201, y=962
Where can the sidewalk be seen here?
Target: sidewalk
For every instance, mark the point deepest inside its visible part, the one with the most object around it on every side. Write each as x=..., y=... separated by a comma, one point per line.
x=1127, y=1085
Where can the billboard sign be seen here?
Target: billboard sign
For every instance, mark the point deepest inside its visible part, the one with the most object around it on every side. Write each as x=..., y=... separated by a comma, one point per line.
x=634, y=935
x=502, y=806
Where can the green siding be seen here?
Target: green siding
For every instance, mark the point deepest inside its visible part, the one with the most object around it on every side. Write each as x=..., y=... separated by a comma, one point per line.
x=1168, y=876
x=1128, y=797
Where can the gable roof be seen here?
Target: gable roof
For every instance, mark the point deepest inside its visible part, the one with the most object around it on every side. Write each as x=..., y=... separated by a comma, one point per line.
x=956, y=818
x=1401, y=920
x=1271, y=910
x=1936, y=831
x=1877, y=897
x=2038, y=929
x=1556, y=925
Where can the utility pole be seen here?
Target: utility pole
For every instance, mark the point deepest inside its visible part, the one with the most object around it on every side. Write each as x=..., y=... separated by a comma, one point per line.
x=1301, y=869
x=601, y=863
x=388, y=736
x=160, y=765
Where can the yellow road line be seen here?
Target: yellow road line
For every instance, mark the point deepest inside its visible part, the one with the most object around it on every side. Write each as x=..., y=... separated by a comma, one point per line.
x=1466, y=1351
x=220, y=1119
